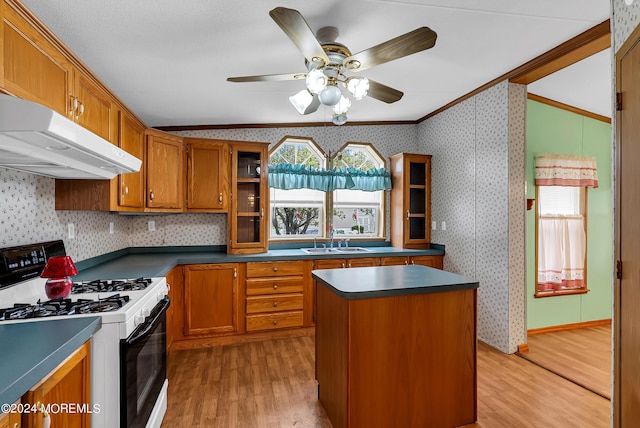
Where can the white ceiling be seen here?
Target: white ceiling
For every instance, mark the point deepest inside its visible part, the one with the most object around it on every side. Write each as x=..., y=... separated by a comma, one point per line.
x=585, y=84
x=168, y=60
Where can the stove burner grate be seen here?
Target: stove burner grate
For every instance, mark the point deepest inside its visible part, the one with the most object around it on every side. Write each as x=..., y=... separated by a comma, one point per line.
x=110, y=285
x=58, y=307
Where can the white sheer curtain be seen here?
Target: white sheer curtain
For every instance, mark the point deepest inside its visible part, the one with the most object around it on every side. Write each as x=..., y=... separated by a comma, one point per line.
x=561, y=252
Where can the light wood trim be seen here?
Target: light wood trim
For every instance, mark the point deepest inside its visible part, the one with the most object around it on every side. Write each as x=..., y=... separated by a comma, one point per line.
x=281, y=125
x=523, y=347
x=576, y=43
x=568, y=326
x=310, y=140
x=588, y=43
x=567, y=107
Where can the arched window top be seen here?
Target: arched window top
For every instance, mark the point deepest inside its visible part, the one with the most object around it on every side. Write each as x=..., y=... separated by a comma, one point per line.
x=361, y=156
x=297, y=151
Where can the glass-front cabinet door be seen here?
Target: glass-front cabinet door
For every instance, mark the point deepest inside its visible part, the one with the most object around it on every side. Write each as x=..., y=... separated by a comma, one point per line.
x=249, y=199
x=411, y=200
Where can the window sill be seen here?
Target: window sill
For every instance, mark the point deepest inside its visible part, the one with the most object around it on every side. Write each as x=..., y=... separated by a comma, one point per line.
x=561, y=293
x=320, y=240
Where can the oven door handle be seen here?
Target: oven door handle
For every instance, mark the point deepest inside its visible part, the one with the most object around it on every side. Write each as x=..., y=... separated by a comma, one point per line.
x=145, y=328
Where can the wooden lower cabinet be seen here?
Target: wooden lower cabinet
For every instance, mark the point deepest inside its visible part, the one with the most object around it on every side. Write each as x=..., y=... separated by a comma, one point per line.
x=211, y=299
x=10, y=420
x=430, y=261
x=397, y=361
x=276, y=295
x=69, y=383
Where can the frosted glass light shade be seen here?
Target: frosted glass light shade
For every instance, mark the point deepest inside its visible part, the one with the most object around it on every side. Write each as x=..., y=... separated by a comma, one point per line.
x=304, y=102
x=330, y=95
x=342, y=106
x=358, y=87
x=316, y=81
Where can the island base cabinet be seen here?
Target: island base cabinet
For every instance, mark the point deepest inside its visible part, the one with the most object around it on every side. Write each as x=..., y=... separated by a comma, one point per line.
x=399, y=361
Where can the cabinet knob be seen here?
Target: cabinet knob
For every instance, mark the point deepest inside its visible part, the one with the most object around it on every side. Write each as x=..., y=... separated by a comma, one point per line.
x=151, y=195
x=126, y=190
x=407, y=214
x=342, y=264
x=406, y=261
x=275, y=269
x=275, y=322
x=220, y=199
x=275, y=304
x=275, y=286
x=261, y=212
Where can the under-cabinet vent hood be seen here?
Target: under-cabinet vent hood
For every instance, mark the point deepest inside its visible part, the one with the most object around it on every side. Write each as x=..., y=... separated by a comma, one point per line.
x=36, y=139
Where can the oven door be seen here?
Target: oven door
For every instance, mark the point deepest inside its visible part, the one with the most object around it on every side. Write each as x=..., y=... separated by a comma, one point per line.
x=143, y=367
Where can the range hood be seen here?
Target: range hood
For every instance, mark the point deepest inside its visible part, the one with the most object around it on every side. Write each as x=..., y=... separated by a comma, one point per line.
x=36, y=139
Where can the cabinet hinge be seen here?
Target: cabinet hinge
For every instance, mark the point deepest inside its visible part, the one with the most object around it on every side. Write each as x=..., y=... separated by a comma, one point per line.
x=230, y=151
x=618, y=101
x=619, y=269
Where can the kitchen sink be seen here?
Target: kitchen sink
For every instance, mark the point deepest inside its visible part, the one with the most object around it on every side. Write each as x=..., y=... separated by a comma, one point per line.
x=350, y=250
x=353, y=250
x=320, y=250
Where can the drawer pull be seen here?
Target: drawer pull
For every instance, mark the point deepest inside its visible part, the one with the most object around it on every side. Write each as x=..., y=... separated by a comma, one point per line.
x=275, y=322
x=275, y=304
x=275, y=269
x=275, y=286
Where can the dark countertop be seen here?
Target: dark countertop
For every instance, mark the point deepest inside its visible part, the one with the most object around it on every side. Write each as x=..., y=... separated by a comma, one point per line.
x=31, y=350
x=384, y=281
x=154, y=262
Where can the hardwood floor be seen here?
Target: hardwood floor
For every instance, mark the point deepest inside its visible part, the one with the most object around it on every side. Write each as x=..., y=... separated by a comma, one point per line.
x=271, y=384
x=582, y=355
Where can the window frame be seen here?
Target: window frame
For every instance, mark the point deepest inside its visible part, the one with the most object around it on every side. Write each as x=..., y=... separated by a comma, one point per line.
x=584, y=194
x=329, y=196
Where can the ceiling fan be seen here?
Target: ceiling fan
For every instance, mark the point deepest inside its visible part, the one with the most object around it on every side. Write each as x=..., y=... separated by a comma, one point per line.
x=330, y=63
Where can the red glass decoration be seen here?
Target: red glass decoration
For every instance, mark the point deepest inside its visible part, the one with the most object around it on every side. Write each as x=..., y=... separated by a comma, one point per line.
x=58, y=269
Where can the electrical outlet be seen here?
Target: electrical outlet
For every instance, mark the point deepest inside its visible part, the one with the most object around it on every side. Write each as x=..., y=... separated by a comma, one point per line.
x=434, y=225
x=444, y=225
x=111, y=228
x=151, y=226
x=71, y=231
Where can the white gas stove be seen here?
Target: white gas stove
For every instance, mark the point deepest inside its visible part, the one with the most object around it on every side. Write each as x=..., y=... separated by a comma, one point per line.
x=129, y=348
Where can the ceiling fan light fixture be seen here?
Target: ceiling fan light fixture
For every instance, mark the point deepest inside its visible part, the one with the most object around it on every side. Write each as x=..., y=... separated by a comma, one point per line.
x=342, y=106
x=358, y=87
x=330, y=95
x=339, y=119
x=304, y=102
x=316, y=81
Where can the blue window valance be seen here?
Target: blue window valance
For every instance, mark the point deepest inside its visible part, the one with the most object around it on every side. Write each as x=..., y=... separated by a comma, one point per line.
x=287, y=177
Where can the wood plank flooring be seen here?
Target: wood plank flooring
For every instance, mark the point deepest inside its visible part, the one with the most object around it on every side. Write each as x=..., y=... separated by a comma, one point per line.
x=271, y=384
x=583, y=355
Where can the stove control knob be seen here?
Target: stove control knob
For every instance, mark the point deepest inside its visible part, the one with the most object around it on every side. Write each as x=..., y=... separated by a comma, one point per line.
x=146, y=312
x=160, y=296
x=139, y=319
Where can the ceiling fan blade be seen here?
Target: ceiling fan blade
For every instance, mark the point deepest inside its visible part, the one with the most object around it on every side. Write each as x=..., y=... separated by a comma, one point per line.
x=268, y=77
x=407, y=44
x=294, y=26
x=383, y=92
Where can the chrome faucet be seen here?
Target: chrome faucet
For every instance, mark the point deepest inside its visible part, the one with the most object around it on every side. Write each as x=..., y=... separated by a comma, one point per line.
x=315, y=242
x=331, y=242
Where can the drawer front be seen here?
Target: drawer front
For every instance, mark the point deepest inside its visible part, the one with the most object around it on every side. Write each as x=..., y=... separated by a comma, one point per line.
x=431, y=261
x=283, y=268
x=274, y=285
x=274, y=303
x=273, y=321
x=394, y=261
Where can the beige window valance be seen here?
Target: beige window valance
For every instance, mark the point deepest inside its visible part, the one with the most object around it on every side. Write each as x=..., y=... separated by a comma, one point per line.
x=565, y=170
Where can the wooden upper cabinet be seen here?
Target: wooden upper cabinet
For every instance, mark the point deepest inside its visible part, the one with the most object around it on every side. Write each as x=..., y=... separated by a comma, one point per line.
x=165, y=172
x=91, y=107
x=207, y=175
x=411, y=200
x=131, y=186
x=32, y=67
x=248, y=216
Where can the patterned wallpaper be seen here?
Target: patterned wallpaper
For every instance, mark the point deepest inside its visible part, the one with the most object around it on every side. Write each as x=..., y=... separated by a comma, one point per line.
x=624, y=21
x=474, y=192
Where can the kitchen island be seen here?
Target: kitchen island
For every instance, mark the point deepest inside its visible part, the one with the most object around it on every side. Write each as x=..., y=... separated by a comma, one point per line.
x=396, y=346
